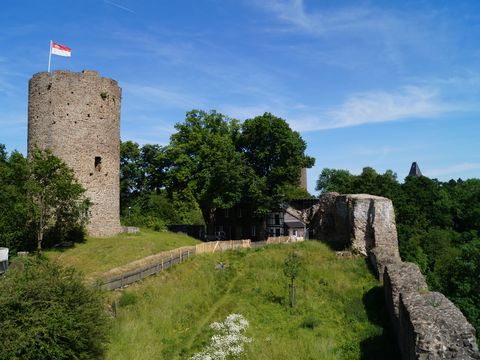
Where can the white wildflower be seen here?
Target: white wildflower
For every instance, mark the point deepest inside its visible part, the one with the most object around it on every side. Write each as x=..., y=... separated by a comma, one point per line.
x=229, y=342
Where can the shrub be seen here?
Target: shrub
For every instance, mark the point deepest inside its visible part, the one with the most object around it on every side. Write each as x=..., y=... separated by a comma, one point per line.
x=159, y=225
x=127, y=299
x=47, y=313
x=310, y=321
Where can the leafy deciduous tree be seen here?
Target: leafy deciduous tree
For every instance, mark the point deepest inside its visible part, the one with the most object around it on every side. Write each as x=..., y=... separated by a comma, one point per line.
x=204, y=166
x=57, y=197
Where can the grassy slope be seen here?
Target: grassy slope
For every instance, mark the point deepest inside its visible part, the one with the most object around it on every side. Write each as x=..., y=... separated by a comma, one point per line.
x=170, y=317
x=102, y=254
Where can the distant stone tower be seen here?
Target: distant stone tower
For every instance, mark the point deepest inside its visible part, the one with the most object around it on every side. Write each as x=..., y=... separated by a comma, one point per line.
x=414, y=170
x=77, y=116
x=303, y=179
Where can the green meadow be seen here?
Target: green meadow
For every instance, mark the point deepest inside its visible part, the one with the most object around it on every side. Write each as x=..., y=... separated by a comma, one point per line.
x=339, y=312
x=97, y=255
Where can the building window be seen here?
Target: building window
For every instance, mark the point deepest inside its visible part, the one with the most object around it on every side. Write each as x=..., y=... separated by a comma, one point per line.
x=254, y=228
x=98, y=163
x=277, y=232
x=277, y=219
x=227, y=213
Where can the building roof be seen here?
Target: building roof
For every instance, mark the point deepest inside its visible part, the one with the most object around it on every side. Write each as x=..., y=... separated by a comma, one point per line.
x=294, y=224
x=415, y=170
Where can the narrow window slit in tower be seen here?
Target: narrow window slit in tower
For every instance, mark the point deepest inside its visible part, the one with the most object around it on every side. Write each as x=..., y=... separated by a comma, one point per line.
x=98, y=163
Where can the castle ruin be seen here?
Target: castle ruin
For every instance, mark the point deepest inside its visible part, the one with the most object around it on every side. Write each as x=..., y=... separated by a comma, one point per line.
x=77, y=117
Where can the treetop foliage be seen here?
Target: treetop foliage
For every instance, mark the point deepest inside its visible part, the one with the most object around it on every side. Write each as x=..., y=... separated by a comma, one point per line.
x=214, y=162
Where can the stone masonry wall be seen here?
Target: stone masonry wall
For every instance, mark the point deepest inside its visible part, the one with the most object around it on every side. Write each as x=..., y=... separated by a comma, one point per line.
x=359, y=221
x=426, y=324
x=77, y=116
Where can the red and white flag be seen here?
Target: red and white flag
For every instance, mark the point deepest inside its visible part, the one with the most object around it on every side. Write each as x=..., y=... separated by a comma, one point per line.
x=60, y=50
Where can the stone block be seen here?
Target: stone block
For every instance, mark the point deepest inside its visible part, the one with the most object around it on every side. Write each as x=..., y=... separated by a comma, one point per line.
x=432, y=327
x=400, y=278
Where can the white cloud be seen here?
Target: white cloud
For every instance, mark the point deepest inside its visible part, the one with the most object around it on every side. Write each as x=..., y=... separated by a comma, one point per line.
x=379, y=106
x=393, y=36
x=244, y=112
x=119, y=6
x=293, y=12
x=161, y=96
x=452, y=169
x=343, y=19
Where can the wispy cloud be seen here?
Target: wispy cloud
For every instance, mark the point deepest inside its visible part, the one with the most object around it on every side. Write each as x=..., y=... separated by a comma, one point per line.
x=119, y=6
x=385, y=150
x=411, y=102
x=381, y=106
x=452, y=169
x=394, y=35
x=244, y=112
x=158, y=95
x=338, y=20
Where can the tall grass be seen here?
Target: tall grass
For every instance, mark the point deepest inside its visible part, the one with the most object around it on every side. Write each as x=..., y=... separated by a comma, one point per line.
x=337, y=315
x=102, y=254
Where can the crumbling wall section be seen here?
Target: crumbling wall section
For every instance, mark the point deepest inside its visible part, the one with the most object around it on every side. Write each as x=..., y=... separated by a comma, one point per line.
x=359, y=221
x=426, y=324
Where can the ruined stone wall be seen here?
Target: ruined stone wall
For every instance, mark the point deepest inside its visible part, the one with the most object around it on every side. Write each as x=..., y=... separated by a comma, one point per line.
x=77, y=116
x=426, y=324
x=358, y=221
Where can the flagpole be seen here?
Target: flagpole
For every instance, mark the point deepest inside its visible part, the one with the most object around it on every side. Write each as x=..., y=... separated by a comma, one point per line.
x=50, y=56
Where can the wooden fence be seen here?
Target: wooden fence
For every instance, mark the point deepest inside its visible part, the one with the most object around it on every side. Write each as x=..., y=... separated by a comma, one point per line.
x=140, y=269
x=164, y=261
x=284, y=239
x=216, y=246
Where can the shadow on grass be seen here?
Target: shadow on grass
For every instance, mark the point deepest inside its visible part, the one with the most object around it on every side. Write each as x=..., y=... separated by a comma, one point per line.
x=333, y=245
x=380, y=346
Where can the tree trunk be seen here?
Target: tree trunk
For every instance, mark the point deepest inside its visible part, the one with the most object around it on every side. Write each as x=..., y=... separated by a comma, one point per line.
x=209, y=218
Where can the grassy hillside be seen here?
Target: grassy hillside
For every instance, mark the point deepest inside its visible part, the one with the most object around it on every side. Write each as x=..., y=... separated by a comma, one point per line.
x=102, y=254
x=338, y=313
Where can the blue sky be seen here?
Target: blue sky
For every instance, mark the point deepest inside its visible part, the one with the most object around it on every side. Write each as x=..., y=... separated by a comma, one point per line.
x=367, y=83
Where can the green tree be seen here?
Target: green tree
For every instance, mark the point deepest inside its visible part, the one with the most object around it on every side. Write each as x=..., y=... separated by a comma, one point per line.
x=16, y=230
x=275, y=154
x=131, y=173
x=154, y=164
x=47, y=313
x=203, y=164
x=57, y=198
x=291, y=269
x=340, y=181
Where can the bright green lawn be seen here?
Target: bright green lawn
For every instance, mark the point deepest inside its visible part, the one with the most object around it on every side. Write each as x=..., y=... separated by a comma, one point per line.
x=102, y=254
x=172, y=311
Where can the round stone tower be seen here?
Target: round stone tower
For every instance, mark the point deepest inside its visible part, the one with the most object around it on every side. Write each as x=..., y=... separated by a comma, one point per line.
x=77, y=116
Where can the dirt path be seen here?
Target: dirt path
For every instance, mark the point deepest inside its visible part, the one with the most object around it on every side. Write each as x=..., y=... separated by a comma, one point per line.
x=207, y=318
